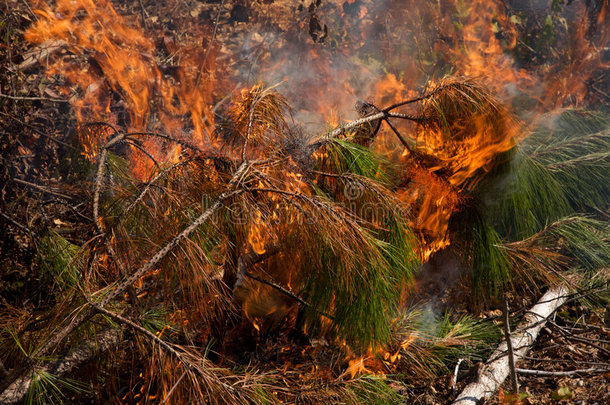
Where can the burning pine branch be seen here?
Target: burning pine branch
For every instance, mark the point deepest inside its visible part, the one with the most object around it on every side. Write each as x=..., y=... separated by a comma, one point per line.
x=217, y=230
x=309, y=270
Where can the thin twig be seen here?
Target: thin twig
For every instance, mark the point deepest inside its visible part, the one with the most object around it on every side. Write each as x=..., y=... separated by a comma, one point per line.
x=249, y=127
x=249, y=259
x=511, y=352
x=72, y=208
x=173, y=388
x=544, y=373
x=27, y=5
x=120, y=319
x=570, y=333
x=455, y=376
x=43, y=189
x=144, y=152
x=207, y=51
x=143, y=13
x=402, y=140
x=22, y=98
x=289, y=293
x=571, y=361
x=17, y=224
x=147, y=187
x=168, y=137
x=33, y=128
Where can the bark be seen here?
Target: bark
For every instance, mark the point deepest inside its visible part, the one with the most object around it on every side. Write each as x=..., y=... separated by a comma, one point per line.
x=106, y=339
x=495, y=371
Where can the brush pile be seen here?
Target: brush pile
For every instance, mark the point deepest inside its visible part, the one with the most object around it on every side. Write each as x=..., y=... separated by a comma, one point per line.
x=175, y=233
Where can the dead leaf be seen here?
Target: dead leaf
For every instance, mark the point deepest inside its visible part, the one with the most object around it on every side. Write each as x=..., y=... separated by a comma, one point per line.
x=562, y=393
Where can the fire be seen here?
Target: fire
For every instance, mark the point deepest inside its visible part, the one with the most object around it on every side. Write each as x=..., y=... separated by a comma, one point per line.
x=464, y=132
x=486, y=34
x=435, y=202
x=116, y=58
x=257, y=234
x=569, y=84
x=113, y=73
x=356, y=367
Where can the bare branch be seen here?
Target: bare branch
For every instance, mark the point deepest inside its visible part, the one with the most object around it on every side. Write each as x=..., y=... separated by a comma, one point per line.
x=544, y=373
x=43, y=189
x=20, y=98
x=511, y=351
x=493, y=374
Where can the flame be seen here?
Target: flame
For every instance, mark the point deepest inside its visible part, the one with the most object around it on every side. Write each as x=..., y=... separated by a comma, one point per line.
x=116, y=58
x=465, y=132
x=356, y=367
x=392, y=358
x=470, y=137
x=257, y=234
x=486, y=34
x=405, y=344
x=571, y=83
x=435, y=202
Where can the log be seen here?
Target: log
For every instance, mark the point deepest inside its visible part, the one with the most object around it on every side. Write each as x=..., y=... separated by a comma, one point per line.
x=494, y=372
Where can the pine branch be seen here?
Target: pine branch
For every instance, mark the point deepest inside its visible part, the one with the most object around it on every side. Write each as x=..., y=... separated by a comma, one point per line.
x=104, y=340
x=88, y=313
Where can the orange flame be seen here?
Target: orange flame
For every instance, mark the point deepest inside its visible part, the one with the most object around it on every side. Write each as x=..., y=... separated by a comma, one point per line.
x=114, y=58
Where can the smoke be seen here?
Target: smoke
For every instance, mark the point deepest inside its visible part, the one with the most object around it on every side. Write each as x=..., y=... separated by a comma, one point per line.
x=316, y=57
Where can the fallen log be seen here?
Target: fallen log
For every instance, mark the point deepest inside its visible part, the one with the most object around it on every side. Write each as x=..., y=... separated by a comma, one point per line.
x=494, y=372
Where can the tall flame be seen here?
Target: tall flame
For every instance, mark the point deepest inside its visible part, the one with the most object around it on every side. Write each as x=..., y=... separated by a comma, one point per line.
x=379, y=50
x=110, y=57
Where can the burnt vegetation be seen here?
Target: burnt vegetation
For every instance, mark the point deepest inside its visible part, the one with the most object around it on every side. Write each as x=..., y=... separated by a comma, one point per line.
x=176, y=230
